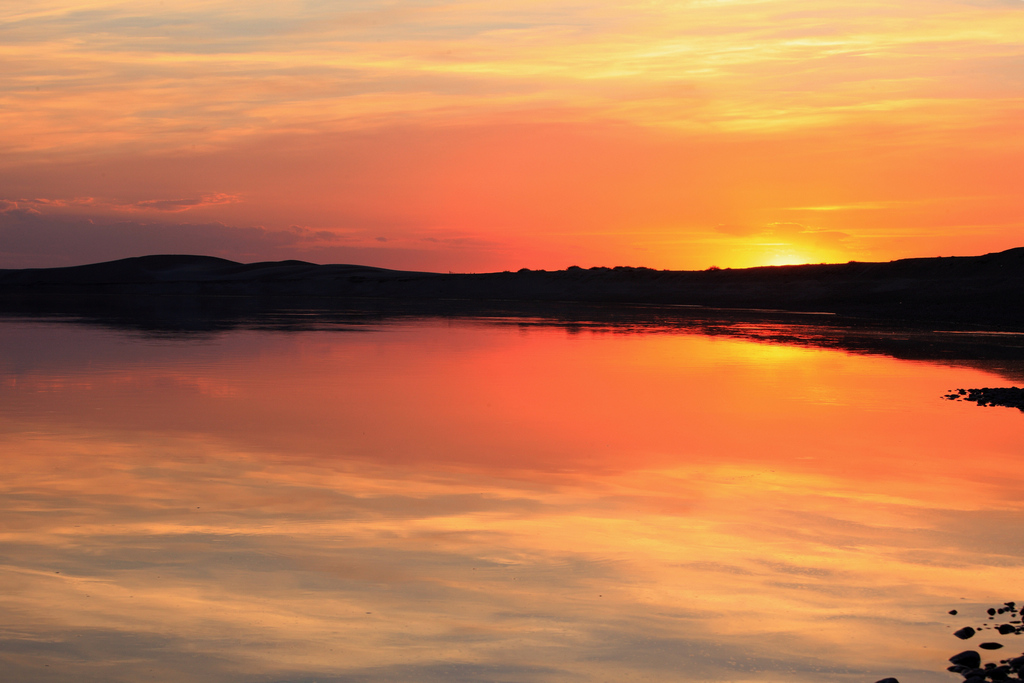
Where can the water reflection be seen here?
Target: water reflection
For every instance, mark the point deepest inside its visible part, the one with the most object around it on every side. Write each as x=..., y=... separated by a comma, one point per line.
x=463, y=501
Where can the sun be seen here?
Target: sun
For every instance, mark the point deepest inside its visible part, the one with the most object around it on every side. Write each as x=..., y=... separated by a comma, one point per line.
x=787, y=257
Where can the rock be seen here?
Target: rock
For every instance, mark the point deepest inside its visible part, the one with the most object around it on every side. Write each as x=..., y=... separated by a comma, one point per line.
x=968, y=658
x=965, y=633
x=1004, y=629
x=888, y=680
x=1010, y=397
x=999, y=673
x=953, y=612
x=990, y=646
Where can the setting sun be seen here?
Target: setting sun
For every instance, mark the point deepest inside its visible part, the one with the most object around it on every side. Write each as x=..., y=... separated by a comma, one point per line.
x=786, y=257
x=484, y=136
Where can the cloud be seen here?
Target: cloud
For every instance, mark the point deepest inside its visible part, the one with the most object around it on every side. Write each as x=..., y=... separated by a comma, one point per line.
x=13, y=209
x=59, y=203
x=828, y=238
x=166, y=77
x=855, y=206
x=161, y=205
x=737, y=230
x=770, y=229
x=789, y=231
x=785, y=229
x=178, y=205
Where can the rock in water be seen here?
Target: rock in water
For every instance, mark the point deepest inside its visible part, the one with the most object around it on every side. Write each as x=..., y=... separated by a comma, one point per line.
x=968, y=658
x=990, y=646
x=1006, y=629
x=998, y=673
x=888, y=680
x=965, y=633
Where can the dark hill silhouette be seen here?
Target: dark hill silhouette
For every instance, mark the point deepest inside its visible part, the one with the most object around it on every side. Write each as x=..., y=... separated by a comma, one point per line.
x=980, y=290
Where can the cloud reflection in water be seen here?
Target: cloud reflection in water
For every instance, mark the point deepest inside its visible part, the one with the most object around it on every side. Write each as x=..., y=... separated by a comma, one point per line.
x=465, y=502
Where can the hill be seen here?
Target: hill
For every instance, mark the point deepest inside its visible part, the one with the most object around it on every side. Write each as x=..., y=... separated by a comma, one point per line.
x=980, y=290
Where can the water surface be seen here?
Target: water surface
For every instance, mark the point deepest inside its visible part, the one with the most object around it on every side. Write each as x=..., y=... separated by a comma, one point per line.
x=465, y=500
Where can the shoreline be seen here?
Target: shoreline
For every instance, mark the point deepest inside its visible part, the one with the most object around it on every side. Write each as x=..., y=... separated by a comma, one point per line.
x=970, y=292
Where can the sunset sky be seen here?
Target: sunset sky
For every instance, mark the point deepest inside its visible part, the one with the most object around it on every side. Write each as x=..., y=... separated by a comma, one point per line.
x=474, y=135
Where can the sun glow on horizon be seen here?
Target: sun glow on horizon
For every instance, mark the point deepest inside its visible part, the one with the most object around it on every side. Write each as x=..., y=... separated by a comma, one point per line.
x=789, y=257
x=488, y=136
x=745, y=253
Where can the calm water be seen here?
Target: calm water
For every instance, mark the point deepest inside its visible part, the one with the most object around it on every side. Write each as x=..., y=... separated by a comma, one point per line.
x=467, y=501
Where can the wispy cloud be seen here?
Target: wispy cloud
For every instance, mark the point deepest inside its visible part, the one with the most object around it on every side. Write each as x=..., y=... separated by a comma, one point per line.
x=178, y=205
x=205, y=73
x=157, y=205
x=784, y=234
x=855, y=206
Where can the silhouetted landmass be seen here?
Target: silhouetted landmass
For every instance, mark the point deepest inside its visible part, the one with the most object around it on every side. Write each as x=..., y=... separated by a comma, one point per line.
x=980, y=290
x=966, y=313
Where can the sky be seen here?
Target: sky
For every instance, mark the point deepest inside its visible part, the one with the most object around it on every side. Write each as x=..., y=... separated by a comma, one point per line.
x=476, y=135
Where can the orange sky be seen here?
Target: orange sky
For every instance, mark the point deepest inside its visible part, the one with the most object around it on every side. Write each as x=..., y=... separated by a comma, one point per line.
x=474, y=136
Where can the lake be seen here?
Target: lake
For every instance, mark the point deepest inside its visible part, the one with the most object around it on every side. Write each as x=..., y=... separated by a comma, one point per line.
x=509, y=499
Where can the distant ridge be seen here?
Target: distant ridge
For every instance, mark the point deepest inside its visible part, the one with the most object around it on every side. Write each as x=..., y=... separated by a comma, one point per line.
x=985, y=289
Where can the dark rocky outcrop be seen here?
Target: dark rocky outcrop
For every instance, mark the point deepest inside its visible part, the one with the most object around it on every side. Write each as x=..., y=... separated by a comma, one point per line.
x=1009, y=397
